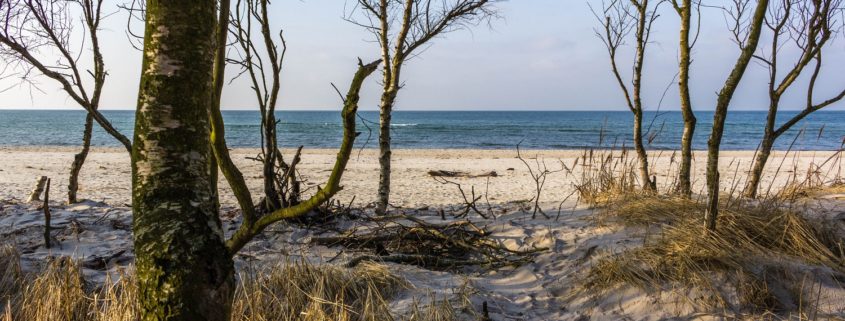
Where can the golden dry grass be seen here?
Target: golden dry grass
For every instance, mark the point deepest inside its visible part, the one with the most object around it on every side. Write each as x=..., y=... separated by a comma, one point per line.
x=292, y=291
x=763, y=259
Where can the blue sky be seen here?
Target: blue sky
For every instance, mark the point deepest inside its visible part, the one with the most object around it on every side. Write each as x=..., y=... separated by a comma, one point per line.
x=542, y=55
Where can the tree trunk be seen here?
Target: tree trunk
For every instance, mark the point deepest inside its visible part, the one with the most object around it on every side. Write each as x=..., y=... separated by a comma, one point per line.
x=183, y=267
x=766, y=145
x=760, y=161
x=387, y=100
x=272, y=201
x=722, y=102
x=685, y=170
x=711, y=214
x=648, y=183
x=79, y=160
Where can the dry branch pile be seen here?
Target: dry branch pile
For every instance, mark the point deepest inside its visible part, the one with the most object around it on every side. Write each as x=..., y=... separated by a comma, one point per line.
x=449, y=246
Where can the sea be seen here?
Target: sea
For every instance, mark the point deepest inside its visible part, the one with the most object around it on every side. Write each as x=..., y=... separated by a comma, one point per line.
x=824, y=130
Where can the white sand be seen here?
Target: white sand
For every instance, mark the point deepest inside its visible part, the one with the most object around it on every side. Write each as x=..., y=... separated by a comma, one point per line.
x=106, y=175
x=535, y=291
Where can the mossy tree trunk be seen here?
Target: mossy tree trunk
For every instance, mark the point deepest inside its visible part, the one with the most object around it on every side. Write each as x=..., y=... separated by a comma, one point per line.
x=79, y=160
x=684, y=10
x=183, y=267
x=385, y=153
x=720, y=114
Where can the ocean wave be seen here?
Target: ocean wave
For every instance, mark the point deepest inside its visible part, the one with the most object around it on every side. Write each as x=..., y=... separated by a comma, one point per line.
x=403, y=125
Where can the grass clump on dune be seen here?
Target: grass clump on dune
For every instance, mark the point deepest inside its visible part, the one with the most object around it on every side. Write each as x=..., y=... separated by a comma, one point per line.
x=301, y=291
x=763, y=259
x=292, y=291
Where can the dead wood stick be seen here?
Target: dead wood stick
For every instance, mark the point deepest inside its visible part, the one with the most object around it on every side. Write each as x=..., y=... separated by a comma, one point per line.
x=445, y=173
x=46, y=207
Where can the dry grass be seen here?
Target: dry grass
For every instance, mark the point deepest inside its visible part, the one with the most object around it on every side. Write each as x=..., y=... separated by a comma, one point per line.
x=293, y=291
x=764, y=258
x=60, y=292
x=301, y=291
x=604, y=175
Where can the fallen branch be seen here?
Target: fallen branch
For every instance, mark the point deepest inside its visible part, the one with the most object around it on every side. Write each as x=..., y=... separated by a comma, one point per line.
x=469, y=203
x=448, y=246
x=444, y=173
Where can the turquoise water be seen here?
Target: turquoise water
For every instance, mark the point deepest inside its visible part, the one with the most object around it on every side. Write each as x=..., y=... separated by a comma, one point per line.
x=450, y=129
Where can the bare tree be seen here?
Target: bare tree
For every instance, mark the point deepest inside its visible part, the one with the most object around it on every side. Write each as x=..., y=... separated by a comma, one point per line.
x=402, y=28
x=746, y=32
x=31, y=30
x=262, y=64
x=619, y=19
x=806, y=26
x=684, y=8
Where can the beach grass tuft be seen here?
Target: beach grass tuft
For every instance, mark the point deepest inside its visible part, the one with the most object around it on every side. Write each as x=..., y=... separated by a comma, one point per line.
x=763, y=259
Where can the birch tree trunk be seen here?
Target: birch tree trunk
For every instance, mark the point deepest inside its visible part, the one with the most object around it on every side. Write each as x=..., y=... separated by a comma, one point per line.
x=183, y=267
x=685, y=170
x=648, y=183
x=79, y=160
x=385, y=153
x=722, y=102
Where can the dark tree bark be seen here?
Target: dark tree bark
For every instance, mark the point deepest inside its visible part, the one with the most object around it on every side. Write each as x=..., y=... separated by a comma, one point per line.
x=183, y=267
x=79, y=159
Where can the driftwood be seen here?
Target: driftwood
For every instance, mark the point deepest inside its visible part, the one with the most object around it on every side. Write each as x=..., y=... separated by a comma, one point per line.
x=443, y=173
x=35, y=195
x=408, y=240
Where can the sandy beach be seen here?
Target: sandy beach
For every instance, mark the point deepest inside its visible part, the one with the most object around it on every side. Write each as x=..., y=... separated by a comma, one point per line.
x=98, y=232
x=106, y=175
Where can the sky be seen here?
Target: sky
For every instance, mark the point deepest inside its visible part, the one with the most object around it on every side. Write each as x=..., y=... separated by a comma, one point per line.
x=540, y=55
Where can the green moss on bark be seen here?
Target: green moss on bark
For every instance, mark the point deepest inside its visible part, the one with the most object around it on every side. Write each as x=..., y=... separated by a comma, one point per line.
x=184, y=270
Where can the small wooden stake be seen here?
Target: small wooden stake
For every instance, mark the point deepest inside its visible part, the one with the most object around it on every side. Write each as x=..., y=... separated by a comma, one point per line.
x=47, y=215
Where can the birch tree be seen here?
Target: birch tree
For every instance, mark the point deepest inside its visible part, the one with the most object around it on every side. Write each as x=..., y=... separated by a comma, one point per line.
x=182, y=267
x=184, y=264
x=684, y=9
x=33, y=31
x=621, y=19
x=403, y=28
x=746, y=26
x=808, y=27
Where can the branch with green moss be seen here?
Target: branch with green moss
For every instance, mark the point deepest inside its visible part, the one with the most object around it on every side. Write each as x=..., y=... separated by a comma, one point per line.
x=248, y=229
